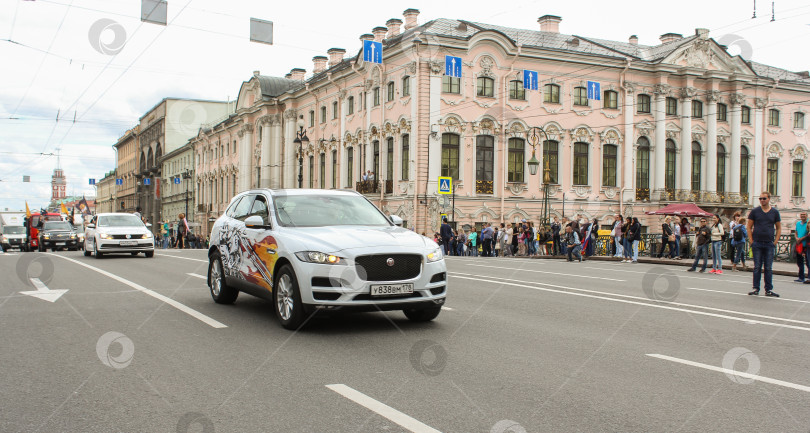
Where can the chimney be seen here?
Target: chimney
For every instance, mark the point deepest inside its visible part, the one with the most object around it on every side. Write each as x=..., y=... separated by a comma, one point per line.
x=803, y=74
x=393, y=27
x=319, y=63
x=633, y=40
x=367, y=37
x=670, y=37
x=297, y=74
x=335, y=56
x=256, y=73
x=288, y=76
x=702, y=33
x=379, y=33
x=549, y=23
x=410, y=18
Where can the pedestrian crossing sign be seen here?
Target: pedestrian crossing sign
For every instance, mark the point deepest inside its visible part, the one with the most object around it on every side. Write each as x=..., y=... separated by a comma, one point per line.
x=445, y=185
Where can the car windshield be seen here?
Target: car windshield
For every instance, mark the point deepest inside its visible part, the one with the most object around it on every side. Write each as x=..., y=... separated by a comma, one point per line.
x=327, y=210
x=119, y=221
x=13, y=230
x=56, y=225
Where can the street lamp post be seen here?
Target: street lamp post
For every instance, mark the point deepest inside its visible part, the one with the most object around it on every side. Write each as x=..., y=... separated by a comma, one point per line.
x=300, y=139
x=186, y=177
x=533, y=138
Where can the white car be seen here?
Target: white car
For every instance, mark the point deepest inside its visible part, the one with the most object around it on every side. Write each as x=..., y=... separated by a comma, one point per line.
x=305, y=250
x=118, y=233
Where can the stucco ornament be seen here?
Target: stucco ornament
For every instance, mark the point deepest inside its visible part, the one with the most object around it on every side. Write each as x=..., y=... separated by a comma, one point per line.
x=487, y=63
x=799, y=153
x=436, y=68
x=699, y=54
x=774, y=151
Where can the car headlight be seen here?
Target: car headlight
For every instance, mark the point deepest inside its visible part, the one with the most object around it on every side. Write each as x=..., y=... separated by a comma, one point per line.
x=3, y=239
x=318, y=257
x=46, y=236
x=105, y=236
x=146, y=236
x=435, y=256
x=73, y=236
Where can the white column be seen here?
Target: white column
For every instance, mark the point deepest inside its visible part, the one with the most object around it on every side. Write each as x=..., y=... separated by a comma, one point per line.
x=686, y=144
x=289, y=168
x=629, y=142
x=245, y=157
x=734, y=169
x=711, y=147
x=265, y=153
x=435, y=143
x=276, y=139
x=759, y=155
x=657, y=169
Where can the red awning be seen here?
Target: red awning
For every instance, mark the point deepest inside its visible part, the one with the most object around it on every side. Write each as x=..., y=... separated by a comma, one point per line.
x=681, y=209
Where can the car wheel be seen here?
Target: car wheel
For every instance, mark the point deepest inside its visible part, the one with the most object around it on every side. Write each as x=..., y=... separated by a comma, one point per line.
x=86, y=253
x=149, y=254
x=220, y=292
x=423, y=314
x=287, y=299
x=96, y=254
x=40, y=248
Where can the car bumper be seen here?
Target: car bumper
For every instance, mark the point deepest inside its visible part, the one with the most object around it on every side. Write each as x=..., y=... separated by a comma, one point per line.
x=114, y=246
x=71, y=243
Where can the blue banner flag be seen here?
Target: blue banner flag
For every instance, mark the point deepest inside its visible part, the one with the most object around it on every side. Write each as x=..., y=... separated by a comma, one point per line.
x=372, y=51
x=529, y=79
x=452, y=66
x=594, y=91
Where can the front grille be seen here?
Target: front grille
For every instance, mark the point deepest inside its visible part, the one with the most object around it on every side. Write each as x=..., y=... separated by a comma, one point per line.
x=375, y=267
x=325, y=282
x=437, y=290
x=125, y=236
x=438, y=277
x=325, y=296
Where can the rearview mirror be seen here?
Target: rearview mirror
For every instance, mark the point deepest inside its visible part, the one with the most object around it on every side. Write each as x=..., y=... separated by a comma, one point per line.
x=255, y=222
x=396, y=220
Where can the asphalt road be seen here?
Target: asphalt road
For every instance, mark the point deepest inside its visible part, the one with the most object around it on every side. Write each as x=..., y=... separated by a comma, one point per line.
x=137, y=345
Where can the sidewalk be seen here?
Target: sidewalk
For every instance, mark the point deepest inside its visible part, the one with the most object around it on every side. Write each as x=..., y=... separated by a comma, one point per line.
x=779, y=268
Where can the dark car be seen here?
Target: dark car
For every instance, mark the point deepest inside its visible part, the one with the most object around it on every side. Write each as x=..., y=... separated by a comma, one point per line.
x=57, y=235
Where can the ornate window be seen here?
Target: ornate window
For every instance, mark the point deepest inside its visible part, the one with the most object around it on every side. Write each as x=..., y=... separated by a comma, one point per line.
x=580, y=163
x=312, y=171
x=406, y=157
x=798, y=120
x=722, y=112
x=643, y=104
x=672, y=106
x=744, y=170
x=323, y=114
x=406, y=86
x=451, y=84
x=721, y=168
x=772, y=181
x=516, y=90
x=798, y=176
x=484, y=157
x=745, y=112
x=773, y=117
x=311, y=124
x=580, y=96
x=643, y=164
x=322, y=171
x=390, y=91
x=350, y=106
x=669, y=170
x=349, y=166
x=697, y=109
x=389, y=160
x=450, y=151
x=551, y=150
x=516, y=155
x=696, y=160
x=376, y=167
x=609, y=167
x=611, y=99
x=485, y=87
x=334, y=110
x=551, y=93
x=334, y=169
x=375, y=95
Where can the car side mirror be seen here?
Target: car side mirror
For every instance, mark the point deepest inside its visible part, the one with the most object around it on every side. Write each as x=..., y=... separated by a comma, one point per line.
x=396, y=220
x=255, y=222
x=91, y=226
x=148, y=224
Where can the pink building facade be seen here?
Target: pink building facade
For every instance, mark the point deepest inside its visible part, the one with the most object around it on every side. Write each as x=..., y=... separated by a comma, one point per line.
x=679, y=121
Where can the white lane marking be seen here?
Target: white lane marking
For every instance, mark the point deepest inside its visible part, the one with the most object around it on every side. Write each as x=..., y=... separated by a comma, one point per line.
x=43, y=292
x=9, y=254
x=548, y=272
x=184, y=258
x=746, y=294
x=732, y=372
x=707, y=278
x=482, y=278
x=190, y=274
x=447, y=309
x=661, y=301
x=382, y=409
x=190, y=311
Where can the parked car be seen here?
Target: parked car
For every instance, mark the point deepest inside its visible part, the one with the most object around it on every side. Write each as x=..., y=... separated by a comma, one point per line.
x=322, y=249
x=57, y=235
x=117, y=233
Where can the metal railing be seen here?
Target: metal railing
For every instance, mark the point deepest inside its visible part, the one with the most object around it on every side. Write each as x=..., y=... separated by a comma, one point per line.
x=650, y=245
x=367, y=187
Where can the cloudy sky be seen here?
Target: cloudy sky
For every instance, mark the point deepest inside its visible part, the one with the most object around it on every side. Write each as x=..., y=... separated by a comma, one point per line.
x=58, y=66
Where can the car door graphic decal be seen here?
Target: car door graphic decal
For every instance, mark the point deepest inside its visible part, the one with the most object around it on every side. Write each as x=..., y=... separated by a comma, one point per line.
x=246, y=254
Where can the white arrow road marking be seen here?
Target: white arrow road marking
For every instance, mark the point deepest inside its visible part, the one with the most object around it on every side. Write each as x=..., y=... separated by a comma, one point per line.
x=43, y=292
x=384, y=410
x=184, y=258
x=184, y=308
x=732, y=372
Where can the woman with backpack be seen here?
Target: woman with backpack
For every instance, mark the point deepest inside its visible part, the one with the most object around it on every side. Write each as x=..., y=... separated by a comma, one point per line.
x=717, y=243
x=739, y=234
x=667, y=238
x=627, y=240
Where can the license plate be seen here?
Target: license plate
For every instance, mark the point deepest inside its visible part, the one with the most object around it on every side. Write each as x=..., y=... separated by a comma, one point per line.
x=129, y=243
x=391, y=289
x=58, y=243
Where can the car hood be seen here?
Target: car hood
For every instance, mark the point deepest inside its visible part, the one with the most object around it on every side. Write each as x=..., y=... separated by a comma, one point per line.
x=56, y=232
x=339, y=238
x=122, y=230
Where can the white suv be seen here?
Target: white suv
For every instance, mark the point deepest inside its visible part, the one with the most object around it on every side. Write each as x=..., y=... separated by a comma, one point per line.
x=305, y=250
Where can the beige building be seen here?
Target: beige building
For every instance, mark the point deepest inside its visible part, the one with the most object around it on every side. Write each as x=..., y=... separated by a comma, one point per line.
x=177, y=188
x=105, y=188
x=126, y=167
